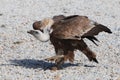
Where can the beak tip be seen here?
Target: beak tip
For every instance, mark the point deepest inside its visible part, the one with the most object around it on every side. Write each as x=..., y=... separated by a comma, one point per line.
x=28, y=31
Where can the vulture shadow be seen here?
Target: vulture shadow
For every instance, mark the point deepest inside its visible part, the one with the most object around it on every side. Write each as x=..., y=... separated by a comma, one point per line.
x=40, y=64
x=32, y=63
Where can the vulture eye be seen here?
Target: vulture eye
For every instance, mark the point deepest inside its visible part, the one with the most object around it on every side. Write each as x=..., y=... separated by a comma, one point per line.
x=41, y=30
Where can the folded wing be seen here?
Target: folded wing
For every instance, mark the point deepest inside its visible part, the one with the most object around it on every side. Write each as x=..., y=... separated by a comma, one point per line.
x=77, y=27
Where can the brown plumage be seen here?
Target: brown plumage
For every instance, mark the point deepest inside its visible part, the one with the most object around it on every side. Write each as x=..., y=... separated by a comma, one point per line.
x=68, y=33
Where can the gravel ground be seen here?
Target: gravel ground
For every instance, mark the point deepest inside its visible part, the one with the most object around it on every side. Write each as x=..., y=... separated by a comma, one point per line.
x=21, y=55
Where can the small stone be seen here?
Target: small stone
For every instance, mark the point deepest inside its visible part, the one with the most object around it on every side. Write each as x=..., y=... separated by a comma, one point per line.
x=1, y=14
x=17, y=42
x=110, y=47
x=113, y=16
x=57, y=77
x=2, y=25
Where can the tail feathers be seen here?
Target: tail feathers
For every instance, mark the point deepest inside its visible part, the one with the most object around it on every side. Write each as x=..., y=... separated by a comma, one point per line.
x=103, y=28
x=94, y=42
x=92, y=38
x=97, y=29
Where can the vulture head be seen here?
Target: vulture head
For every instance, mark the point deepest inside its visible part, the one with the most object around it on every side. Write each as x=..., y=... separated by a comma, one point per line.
x=43, y=25
x=42, y=29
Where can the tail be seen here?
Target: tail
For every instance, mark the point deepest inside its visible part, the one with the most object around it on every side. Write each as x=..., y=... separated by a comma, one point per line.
x=97, y=29
x=103, y=28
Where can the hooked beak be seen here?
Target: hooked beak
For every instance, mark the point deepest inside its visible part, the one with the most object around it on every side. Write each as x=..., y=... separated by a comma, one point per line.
x=30, y=31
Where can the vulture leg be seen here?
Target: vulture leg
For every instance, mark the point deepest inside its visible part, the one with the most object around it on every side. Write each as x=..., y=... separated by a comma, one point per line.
x=82, y=46
x=68, y=55
x=58, y=55
x=59, y=59
x=59, y=62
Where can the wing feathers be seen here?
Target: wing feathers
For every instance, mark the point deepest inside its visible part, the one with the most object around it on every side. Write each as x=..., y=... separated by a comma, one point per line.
x=104, y=28
x=58, y=18
x=77, y=27
x=97, y=29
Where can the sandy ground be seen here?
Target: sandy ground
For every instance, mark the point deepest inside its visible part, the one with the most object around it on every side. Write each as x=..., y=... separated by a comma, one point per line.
x=21, y=55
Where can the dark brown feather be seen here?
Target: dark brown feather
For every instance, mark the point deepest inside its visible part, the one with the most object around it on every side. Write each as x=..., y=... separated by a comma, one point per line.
x=68, y=29
x=58, y=18
x=76, y=27
x=91, y=38
x=97, y=29
x=70, y=17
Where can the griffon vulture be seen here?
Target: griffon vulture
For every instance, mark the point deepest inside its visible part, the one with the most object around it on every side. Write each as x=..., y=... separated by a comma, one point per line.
x=67, y=34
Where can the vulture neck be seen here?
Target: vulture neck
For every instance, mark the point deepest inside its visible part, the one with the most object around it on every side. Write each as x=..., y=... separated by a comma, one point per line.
x=45, y=35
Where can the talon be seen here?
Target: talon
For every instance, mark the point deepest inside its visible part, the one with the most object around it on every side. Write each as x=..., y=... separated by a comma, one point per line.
x=54, y=68
x=54, y=58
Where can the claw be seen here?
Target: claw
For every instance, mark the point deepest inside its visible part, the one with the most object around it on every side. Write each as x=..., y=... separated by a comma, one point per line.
x=54, y=58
